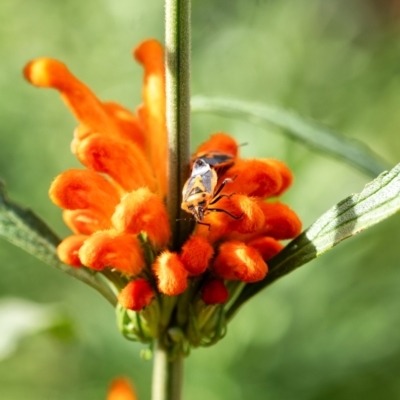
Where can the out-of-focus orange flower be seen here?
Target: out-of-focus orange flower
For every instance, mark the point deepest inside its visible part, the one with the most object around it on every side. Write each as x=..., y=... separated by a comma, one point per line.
x=115, y=207
x=121, y=389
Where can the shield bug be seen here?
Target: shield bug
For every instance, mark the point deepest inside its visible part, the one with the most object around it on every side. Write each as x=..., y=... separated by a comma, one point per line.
x=199, y=192
x=215, y=159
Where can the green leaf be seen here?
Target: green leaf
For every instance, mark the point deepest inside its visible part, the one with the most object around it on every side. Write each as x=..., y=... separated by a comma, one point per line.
x=379, y=200
x=294, y=126
x=21, y=227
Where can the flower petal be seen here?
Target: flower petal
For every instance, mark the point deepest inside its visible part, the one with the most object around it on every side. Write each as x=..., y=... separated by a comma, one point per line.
x=84, y=189
x=86, y=221
x=196, y=254
x=142, y=210
x=268, y=247
x=136, y=295
x=121, y=389
x=109, y=249
x=87, y=108
x=235, y=261
x=280, y=221
x=170, y=273
x=253, y=178
x=68, y=249
x=220, y=142
x=151, y=55
x=121, y=160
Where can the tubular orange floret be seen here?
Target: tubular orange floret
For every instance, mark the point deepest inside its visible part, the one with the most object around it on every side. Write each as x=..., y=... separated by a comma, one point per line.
x=87, y=108
x=170, y=273
x=136, y=295
x=215, y=231
x=82, y=189
x=252, y=217
x=110, y=249
x=236, y=261
x=150, y=54
x=223, y=225
x=253, y=178
x=214, y=292
x=280, y=221
x=196, y=253
x=142, y=210
x=68, y=249
x=285, y=172
x=86, y=221
x=121, y=160
x=121, y=389
x=130, y=128
x=268, y=247
x=219, y=142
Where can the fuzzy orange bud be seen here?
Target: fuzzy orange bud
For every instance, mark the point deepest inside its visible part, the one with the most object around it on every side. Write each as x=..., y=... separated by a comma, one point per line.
x=121, y=160
x=136, y=295
x=83, y=189
x=268, y=247
x=280, y=221
x=235, y=261
x=68, y=250
x=196, y=253
x=86, y=221
x=285, y=172
x=215, y=292
x=246, y=217
x=219, y=142
x=253, y=178
x=121, y=389
x=143, y=210
x=170, y=273
x=110, y=249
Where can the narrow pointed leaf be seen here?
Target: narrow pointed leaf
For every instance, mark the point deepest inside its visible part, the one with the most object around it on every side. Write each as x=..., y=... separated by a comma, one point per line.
x=310, y=134
x=23, y=228
x=379, y=200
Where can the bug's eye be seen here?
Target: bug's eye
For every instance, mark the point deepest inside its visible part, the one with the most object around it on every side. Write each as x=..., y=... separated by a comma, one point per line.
x=191, y=207
x=202, y=204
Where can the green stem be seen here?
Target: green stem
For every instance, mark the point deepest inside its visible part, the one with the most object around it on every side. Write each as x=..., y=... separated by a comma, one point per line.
x=177, y=60
x=167, y=375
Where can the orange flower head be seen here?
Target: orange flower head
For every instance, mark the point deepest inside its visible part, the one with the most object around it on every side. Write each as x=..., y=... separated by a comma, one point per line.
x=121, y=389
x=136, y=295
x=116, y=207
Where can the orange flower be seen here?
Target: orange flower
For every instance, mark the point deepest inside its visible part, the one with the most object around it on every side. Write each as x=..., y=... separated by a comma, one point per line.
x=121, y=389
x=115, y=207
x=136, y=295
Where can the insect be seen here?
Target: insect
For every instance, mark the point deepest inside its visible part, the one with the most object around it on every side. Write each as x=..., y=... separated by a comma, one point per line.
x=199, y=192
x=215, y=159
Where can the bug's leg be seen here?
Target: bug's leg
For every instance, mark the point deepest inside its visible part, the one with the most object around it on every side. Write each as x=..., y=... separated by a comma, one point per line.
x=225, y=181
x=204, y=223
x=218, y=198
x=226, y=212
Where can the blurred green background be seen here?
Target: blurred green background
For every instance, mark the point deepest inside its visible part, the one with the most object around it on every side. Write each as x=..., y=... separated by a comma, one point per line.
x=328, y=331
